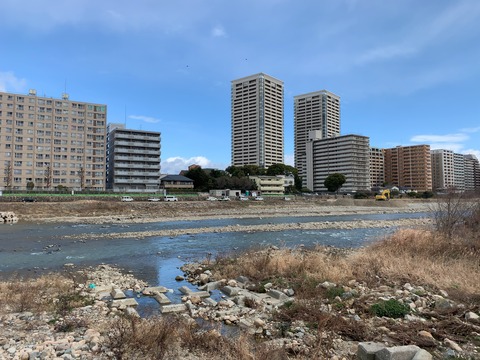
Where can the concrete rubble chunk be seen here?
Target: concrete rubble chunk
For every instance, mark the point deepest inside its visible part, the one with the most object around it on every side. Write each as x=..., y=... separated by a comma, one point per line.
x=210, y=302
x=173, y=308
x=276, y=294
x=422, y=355
x=185, y=290
x=117, y=294
x=367, y=350
x=162, y=299
x=230, y=290
x=406, y=352
x=131, y=312
x=124, y=302
x=156, y=289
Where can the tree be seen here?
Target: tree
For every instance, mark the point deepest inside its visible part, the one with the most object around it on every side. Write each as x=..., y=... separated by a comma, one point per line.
x=334, y=182
x=201, y=181
x=30, y=185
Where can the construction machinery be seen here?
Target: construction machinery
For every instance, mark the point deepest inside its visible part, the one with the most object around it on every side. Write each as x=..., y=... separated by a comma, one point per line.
x=383, y=196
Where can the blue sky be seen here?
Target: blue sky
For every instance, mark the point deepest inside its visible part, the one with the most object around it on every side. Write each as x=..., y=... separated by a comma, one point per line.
x=407, y=71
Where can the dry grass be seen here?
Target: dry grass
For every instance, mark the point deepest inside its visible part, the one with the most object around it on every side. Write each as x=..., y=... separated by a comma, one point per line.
x=175, y=338
x=299, y=269
x=424, y=258
x=36, y=295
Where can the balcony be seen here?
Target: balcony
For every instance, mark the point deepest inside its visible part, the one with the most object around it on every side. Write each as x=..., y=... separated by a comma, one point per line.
x=138, y=144
x=137, y=173
x=137, y=137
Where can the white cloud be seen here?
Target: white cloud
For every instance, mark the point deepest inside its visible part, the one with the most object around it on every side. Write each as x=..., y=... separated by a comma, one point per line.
x=455, y=147
x=147, y=119
x=385, y=53
x=219, y=31
x=470, y=130
x=289, y=159
x=174, y=165
x=9, y=82
x=473, y=152
x=450, y=138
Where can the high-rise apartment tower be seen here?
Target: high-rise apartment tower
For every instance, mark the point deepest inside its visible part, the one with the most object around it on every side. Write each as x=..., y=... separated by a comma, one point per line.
x=318, y=110
x=257, y=121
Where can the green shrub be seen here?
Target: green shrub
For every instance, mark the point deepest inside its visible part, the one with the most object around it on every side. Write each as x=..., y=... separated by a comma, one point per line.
x=333, y=292
x=391, y=308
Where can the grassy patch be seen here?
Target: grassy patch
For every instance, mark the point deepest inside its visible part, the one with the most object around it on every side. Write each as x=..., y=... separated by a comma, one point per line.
x=391, y=308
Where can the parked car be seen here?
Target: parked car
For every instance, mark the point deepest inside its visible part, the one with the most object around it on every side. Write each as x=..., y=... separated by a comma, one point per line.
x=286, y=198
x=153, y=199
x=211, y=198
x=243, y=198
x=224, y=198
x=127, y=198
x=258, y=198
x=170, y=198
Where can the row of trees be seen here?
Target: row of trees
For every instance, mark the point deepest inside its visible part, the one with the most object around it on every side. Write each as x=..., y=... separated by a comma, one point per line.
x=237, y=177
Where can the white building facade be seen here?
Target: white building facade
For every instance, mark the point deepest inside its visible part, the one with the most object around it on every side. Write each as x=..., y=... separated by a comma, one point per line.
x=257, y=121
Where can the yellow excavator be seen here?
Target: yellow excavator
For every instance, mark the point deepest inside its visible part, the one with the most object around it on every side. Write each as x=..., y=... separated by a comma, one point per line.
x=384, y=196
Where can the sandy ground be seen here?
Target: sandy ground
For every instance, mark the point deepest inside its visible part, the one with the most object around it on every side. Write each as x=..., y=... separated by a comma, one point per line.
x=95, y=211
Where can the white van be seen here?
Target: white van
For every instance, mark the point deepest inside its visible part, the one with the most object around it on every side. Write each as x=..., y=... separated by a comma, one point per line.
x=170, y=198
x=127, y=198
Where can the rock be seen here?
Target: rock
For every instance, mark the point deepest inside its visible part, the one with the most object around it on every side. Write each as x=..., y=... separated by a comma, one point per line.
x=425, y=334
x=327, y=285
x=452, y=345
x=289, y=292
x=471, y=316
x=179, y=278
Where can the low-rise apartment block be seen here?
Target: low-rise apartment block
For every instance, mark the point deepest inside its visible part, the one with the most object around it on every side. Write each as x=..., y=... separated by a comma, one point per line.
x=271, y=185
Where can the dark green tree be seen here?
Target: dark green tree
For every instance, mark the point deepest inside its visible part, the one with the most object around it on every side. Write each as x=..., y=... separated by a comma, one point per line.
x=334, y=182
x=201, y=181
x=30, y=185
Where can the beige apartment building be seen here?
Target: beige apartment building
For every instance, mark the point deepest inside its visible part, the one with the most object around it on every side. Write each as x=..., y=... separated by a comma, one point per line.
x=377, y=167
x=318, y=110
x=47, y=142
x=269, y=185
x=409, y=167
x=257, y=121
x=348, y=155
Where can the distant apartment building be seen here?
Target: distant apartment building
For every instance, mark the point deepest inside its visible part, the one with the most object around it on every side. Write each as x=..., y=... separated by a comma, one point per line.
x=257, y=121
x=453, y=171
x=377, y=167
x=47, y=143
x=472, y=173
x=409, y=167
x=443, y=171
x=314, y=111
x=347, y=154
x=269, y=185
x=133, y=160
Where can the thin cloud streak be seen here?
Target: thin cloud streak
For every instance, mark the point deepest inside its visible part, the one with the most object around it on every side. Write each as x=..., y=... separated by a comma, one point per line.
x=147, y=119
